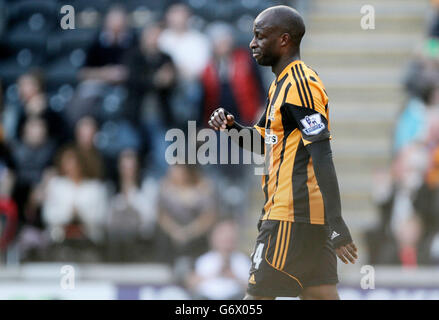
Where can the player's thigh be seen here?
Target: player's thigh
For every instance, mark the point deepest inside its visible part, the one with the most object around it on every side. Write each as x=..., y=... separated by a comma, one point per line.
x=320, y=292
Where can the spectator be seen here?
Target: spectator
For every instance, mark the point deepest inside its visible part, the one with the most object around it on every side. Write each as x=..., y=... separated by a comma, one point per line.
x=31, y=155
x=100, y=93
x=33, y=103
x=7, y=167
x=74, y=207
x=434, y=23
x=231, y=78
x=221, y=273
x=8, y=207
x=152, y=77
x=409, y=170
x=402, y=234
x=189, y=49
x=186, y=213
x=104, y=57
x=422, y=86
x=85, y=134
x=132, y=215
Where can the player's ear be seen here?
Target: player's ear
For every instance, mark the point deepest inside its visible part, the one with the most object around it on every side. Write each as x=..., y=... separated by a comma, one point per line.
x=284, y=38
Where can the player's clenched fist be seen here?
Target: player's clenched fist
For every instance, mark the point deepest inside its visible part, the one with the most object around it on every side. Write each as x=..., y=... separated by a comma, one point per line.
x=220, y=119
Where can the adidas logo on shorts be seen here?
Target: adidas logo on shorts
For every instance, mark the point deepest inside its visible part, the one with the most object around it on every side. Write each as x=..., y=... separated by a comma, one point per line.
x=334, y=235
x=252, y=279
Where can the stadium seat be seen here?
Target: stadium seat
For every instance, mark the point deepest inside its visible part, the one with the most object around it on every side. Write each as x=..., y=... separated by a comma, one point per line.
x=61, y=43
x=21, y=37
x=132, y=5
x=10, y=70
x=80, y=5
x=42, y=14
x=60, y=73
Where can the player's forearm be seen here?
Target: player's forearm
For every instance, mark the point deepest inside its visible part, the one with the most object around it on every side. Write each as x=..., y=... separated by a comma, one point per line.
x=254, y=144
x=324, y=169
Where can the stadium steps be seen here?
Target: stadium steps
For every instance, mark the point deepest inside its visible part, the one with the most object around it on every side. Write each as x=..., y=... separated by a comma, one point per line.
x=363, y=72
x=381, y=6
x=353, y=57
x=350, y=23
x=351, y=93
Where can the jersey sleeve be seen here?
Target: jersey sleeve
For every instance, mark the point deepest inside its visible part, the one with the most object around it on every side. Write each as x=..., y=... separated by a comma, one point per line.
x=307, y=106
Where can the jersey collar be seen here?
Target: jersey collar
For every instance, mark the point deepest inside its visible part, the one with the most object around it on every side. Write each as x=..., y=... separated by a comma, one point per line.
x=288, y=67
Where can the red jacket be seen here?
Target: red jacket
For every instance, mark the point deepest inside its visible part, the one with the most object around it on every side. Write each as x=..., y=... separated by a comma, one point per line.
x=9, y=210
x=244, y=83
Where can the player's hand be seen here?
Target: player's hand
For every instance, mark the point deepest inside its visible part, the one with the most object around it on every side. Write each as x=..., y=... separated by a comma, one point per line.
x=221, y=119
x=347, y=253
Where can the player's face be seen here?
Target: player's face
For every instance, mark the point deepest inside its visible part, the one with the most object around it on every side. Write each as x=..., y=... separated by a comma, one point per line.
x=264, y=44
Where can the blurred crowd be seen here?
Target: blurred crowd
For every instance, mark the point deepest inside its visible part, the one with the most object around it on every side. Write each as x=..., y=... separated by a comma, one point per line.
x=83, y=118
x=408, y=195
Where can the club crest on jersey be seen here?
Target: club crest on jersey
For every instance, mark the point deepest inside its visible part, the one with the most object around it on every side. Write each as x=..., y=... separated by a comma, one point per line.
x=270, y=138
x=312, y=124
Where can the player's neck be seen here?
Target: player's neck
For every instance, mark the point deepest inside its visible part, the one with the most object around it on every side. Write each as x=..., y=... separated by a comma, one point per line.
x=283, y=62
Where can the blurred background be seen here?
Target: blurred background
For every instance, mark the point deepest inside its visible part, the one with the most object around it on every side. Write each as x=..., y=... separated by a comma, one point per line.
x=83, y=117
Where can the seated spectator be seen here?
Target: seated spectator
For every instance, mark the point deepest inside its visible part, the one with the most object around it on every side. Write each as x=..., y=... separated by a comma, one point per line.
x=400, y=237
x=33, y=103
x=221, y=273
x=434, y=23
x=74, y=206
x=99, y=93
x=32, y=155
x=7, y=167
x=189, y=49
x=104, y=57
x=8, y=207
x=132, y=213
x=152, y=77
x=231, y=78
x=421, y=84
x=85, y=133
x=186, y=213
x=409, y=170
x=411, y=124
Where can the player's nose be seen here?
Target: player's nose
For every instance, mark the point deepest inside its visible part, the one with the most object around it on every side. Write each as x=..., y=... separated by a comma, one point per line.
x=252, y=44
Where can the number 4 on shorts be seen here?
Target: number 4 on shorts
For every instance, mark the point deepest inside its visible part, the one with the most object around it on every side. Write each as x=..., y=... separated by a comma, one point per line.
x=257, y=257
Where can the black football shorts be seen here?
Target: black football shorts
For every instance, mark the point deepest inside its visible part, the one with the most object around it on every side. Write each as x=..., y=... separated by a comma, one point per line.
x=289, y=257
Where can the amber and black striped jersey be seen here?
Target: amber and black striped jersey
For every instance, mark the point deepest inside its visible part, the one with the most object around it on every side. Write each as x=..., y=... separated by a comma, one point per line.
x=296, y=115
